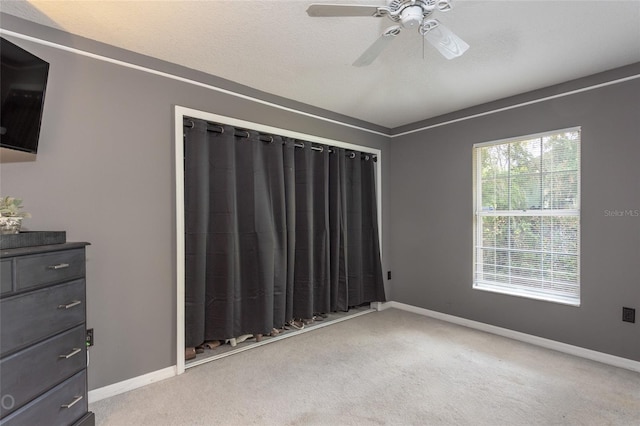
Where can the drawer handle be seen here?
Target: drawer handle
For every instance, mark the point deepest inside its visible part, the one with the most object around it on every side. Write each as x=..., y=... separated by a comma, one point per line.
x=58, y=266
x=72, y=403
x=70, y=305
x=70, y=354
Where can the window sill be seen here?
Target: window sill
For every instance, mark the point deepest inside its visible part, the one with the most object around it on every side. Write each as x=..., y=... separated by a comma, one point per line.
x=563, y=300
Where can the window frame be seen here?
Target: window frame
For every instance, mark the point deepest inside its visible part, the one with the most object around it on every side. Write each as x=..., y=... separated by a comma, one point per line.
x=479, y=213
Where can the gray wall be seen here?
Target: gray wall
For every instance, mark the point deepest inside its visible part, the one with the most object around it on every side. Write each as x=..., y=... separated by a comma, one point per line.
x=432, y=219
x=105, y=174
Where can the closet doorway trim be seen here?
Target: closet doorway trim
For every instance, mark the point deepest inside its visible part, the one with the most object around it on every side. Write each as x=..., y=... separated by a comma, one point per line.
x=180, y=113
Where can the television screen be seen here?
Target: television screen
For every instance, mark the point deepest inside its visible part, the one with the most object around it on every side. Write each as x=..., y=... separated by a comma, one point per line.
x=23, y=78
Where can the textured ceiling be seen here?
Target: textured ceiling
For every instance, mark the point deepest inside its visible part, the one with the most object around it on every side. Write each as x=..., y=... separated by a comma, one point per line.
x=273, y=46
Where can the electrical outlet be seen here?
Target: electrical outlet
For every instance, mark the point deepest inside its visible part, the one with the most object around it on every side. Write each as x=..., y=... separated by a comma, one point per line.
x=628, y=314
x=89, y=337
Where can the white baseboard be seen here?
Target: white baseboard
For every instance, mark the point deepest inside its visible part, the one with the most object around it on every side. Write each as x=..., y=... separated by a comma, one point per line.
x=592, y=355
x=131, y=384
x=376, y=306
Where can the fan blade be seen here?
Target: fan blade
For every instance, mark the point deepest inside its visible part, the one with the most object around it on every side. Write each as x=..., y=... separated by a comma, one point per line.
x=324, y=10
x=377, y=47
x=442, y=38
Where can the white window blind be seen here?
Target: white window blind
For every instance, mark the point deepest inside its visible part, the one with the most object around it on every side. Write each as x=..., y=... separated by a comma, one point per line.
x=527, y=216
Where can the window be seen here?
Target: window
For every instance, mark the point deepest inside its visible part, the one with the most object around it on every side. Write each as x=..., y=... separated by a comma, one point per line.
x=527, y=216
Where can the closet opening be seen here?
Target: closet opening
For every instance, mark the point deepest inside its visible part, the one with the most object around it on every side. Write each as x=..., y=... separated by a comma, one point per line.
x=277, y=233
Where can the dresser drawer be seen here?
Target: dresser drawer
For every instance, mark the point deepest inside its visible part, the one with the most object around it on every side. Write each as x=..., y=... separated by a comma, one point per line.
x=30, y=372
x=6, y=276
x=27, y=318
x=62, y=405
x=42, y=269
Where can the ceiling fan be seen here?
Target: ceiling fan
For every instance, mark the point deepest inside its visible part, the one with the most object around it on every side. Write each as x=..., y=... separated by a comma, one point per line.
x=409, y=14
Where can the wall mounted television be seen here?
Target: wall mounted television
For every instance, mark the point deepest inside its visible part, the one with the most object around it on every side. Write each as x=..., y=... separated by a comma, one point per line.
x=23, y=80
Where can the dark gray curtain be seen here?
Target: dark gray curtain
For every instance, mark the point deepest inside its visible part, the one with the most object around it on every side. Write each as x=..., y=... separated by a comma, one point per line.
x=337, y=228
x=274, y=232
x=364, y=275
x=311, y=264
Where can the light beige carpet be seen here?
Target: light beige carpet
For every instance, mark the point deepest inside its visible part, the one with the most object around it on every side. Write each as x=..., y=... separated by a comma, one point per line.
x=387, y=368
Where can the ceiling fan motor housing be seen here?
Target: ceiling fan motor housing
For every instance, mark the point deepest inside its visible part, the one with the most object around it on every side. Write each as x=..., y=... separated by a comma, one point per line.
x=411, y=17
x=411, y=13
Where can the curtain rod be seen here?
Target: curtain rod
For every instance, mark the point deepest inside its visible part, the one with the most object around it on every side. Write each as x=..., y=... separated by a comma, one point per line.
x=244, y=133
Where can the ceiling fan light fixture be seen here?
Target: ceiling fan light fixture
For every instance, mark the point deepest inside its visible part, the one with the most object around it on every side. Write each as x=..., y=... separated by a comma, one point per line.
x=411, y=16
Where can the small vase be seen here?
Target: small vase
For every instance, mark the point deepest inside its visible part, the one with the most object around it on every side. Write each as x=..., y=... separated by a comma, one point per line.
x=10, y=224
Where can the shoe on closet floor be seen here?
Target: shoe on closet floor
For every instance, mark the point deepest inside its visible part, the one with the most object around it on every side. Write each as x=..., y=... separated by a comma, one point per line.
x=189, y=353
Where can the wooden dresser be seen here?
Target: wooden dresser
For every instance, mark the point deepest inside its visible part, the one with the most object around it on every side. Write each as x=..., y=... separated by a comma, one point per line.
x=43, y=354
